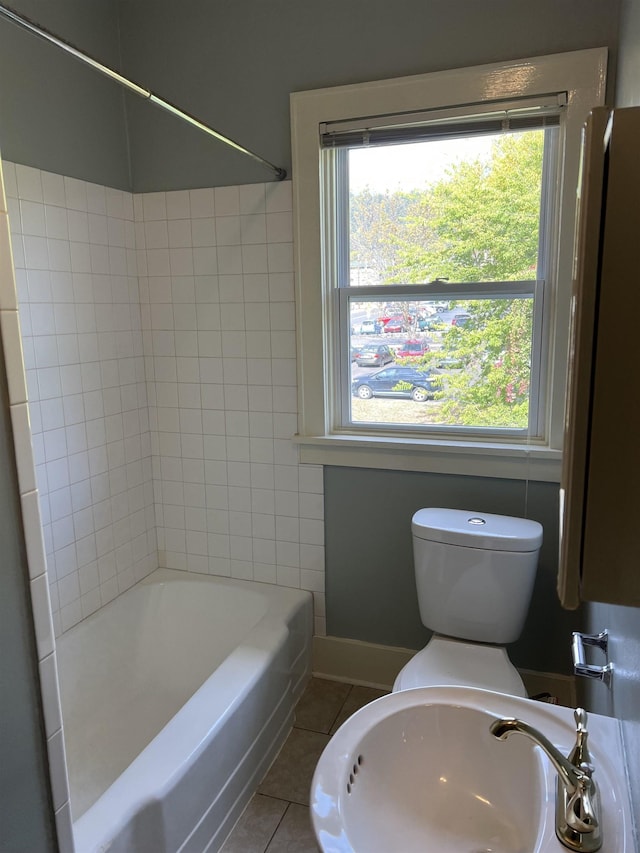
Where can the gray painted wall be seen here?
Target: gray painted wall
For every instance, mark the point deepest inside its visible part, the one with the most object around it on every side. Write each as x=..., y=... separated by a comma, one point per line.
x=371, y=591
x=55, y=113
x=25, y=810
x=233, y=63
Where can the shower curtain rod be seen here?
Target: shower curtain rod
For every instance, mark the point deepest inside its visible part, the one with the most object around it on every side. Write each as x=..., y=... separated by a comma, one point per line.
x=42, y=33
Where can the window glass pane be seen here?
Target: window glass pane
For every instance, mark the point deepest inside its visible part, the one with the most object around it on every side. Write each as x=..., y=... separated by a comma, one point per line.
x=463, y=363
x=465, y=210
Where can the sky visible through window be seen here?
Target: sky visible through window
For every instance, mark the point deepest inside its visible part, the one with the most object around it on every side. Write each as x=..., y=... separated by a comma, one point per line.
x=411, y=166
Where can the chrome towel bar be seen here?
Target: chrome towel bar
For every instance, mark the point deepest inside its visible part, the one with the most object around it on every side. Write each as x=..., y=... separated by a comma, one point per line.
x=580, y=667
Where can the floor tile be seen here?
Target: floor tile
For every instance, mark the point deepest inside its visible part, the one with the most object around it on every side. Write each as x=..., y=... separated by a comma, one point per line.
x=320, y=704
x=295, y=834
x=256, y=826
x=290, y=775
x=357, y=698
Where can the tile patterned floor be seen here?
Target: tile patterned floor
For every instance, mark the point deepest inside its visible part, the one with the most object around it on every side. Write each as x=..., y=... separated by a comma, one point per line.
x=277, y=818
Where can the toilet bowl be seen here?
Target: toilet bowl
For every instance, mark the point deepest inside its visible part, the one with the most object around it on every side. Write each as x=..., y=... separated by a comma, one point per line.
x=474, y=578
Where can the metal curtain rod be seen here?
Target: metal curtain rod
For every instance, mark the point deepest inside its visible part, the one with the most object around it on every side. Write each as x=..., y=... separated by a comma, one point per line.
x=42, y=33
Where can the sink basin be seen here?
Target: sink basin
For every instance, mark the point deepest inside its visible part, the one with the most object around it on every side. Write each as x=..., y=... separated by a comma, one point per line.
x=419, y=771
x=461, y=799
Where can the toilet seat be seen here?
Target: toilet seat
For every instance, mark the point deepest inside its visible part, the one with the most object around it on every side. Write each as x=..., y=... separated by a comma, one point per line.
x=445, y=660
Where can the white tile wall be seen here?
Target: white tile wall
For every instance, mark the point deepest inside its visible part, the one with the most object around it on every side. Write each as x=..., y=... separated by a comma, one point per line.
x=33, y=533
x=218, y=321
x=159, y=343
x=79, y=305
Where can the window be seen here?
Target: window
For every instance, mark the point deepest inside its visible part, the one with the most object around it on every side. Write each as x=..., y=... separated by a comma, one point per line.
x=464, y=213
x=434, y=249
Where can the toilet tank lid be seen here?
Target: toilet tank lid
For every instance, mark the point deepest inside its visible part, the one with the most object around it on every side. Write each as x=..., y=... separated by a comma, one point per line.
x=477, y=529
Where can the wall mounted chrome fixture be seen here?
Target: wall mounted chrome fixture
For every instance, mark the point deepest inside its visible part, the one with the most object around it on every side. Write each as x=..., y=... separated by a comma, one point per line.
x=42, y=33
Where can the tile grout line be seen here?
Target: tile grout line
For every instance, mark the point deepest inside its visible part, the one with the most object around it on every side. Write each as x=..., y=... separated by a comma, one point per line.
x=333, y=722
x=340, y=710
x=279, y=824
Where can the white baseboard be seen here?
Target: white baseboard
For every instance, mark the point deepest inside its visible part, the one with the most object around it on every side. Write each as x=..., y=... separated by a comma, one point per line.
x=358, y=662
x=374, y=665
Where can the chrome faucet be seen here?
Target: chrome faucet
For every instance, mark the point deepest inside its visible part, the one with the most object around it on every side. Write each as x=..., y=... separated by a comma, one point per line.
x=577, y=802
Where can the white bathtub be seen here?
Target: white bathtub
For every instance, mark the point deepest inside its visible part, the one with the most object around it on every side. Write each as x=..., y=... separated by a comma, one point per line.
x=176, y=697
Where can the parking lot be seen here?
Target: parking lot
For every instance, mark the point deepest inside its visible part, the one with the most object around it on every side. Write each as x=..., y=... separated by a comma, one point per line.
x=385, y=410
x=394, y=341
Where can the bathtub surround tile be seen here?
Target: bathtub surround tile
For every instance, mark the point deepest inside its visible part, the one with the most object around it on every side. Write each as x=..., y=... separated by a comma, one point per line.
x=50, y=694
x=279, y=197
x=33, y=534
x=58, y=770
x=8, y=296
x=13, y=356
x=64, y=829
x=4, y=177
x=219, y=346
x=82, y=339
x=23, y=448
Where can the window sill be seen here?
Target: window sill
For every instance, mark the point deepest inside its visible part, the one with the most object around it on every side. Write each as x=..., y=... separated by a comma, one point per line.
x=490, y=459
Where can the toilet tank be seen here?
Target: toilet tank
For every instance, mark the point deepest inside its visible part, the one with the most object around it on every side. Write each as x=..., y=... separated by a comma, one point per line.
x=474, y=572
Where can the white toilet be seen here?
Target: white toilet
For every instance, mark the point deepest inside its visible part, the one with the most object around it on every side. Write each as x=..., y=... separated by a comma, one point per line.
x=474, y=576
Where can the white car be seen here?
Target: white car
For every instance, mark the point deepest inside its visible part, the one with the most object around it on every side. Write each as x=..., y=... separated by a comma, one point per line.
x=367, y=327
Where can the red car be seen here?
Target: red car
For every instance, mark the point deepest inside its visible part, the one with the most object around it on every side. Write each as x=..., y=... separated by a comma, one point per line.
x=412, y=349
x=394, y=324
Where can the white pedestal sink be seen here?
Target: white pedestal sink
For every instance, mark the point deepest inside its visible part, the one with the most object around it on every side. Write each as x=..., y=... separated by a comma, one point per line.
x=419, y=772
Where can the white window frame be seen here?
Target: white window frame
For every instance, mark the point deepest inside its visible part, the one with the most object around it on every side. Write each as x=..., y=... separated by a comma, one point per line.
x=582, y=75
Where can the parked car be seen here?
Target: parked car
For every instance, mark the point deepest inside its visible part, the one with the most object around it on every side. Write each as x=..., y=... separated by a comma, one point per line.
x=460, y=319
x=373, y=356
x=367, y=327
x=404, y=382
x=412, y=349
x=395, y=324
x=441, y=306
x=431, y=324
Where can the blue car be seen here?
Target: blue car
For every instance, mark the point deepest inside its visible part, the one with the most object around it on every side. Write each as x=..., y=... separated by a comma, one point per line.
x=400, y=382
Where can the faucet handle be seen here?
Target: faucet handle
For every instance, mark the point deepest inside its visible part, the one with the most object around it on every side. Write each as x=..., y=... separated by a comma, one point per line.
x=581, y=807
x=581, y=717
x=579, y=755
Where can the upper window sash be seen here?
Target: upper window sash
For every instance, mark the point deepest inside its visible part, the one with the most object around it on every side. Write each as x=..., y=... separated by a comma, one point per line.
x=335, y=171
